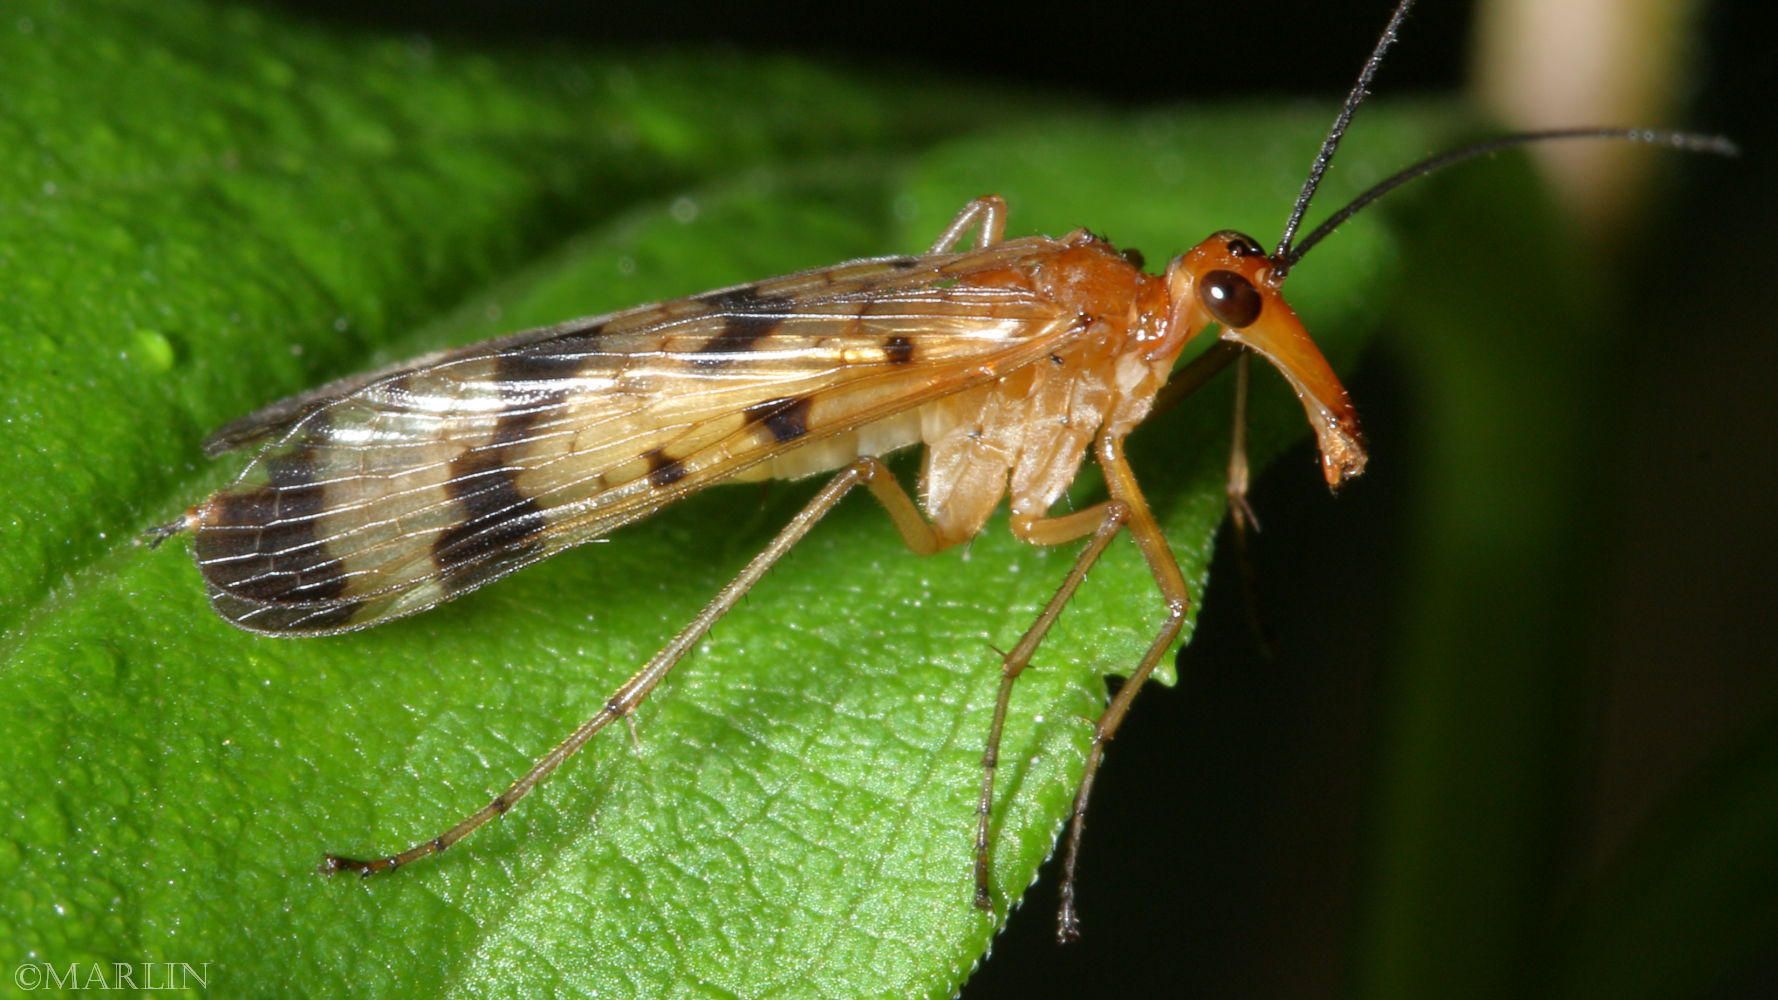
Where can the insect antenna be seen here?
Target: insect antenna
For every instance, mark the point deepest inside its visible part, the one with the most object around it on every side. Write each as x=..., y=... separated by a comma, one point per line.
x=1690, y=142
x=1286, y=256
x=1324, y=156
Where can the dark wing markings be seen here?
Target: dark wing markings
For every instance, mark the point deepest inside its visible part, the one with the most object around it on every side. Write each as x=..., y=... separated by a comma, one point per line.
x=503, y=529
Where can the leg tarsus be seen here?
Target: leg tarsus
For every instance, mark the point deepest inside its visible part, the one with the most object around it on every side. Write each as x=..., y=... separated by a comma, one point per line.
x=333, y=864
x=153, y=537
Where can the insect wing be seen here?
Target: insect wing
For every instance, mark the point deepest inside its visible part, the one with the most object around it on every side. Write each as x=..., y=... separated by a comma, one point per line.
x=413, y=486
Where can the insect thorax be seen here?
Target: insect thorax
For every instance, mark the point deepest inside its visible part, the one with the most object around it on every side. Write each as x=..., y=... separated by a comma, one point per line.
x=1025, y=433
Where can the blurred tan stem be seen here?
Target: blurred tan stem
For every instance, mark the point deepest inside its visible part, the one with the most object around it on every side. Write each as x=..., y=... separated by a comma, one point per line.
x=1543, y=64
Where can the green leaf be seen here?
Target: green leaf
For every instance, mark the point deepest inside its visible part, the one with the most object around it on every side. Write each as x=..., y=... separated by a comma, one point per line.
x=208, y=208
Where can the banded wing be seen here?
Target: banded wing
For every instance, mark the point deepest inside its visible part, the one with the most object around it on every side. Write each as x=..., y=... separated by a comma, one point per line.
x=385, y=494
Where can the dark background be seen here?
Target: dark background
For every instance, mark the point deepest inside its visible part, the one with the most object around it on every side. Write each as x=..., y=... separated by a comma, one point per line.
x=1225, y=847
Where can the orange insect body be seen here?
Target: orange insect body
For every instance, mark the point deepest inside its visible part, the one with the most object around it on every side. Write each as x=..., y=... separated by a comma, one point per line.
x=385, y=494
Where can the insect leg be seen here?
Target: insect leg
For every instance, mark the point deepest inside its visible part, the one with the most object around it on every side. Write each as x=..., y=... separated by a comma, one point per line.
x=1242, y=521
x=1240, y=511
x=1121, y=481
x=919, y=535
x=988, y=211
x=1183, y=383
x=1102, y=521
x=154, y=536
x=1196, y=372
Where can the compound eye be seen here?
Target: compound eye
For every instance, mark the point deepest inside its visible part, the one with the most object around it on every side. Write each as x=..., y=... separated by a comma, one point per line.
x=1230, y=298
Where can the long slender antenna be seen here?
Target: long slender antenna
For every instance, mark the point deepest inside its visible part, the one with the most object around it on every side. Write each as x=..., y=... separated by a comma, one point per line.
x=1690, y=142
x=1329, y=145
